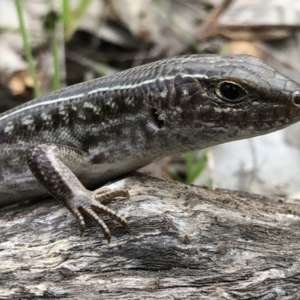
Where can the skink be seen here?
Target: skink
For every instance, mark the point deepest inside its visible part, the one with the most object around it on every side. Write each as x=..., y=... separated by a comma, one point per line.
x=76, y=139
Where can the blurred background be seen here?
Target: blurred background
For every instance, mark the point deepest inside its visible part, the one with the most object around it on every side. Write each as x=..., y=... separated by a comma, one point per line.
x=49, y=44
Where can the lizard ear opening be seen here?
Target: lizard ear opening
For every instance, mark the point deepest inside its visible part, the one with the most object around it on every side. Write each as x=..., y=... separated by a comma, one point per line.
x=155, y=116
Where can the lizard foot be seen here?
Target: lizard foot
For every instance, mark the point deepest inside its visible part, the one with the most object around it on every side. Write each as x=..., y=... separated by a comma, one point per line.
x=90, y=203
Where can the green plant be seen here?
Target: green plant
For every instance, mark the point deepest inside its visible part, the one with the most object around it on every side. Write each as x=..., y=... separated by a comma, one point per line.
x=72, y=18
x=193, y=167
x=27, y=49
x=68, y=20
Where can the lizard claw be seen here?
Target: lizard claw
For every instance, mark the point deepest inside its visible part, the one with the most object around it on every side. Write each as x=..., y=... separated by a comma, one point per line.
x=90, y=212
x=91, y=203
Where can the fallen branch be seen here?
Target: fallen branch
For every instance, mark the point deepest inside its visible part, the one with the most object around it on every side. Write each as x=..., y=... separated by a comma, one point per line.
x=185, y=242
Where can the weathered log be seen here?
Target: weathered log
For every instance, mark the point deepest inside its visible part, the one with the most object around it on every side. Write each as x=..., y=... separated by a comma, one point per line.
x=185, y=242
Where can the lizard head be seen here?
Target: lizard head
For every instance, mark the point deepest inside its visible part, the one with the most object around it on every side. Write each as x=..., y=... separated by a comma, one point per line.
x=217, y=99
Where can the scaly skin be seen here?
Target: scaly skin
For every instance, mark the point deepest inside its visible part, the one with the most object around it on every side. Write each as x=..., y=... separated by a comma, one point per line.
x=83, y=136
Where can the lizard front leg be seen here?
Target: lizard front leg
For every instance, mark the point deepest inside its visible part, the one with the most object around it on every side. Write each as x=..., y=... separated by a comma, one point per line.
x=52, y=166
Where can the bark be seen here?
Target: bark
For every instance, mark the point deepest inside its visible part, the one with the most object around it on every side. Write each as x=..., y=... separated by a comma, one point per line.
x=185, y=242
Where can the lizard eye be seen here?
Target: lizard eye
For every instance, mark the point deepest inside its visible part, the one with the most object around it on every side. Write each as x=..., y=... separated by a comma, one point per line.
x=230, y=92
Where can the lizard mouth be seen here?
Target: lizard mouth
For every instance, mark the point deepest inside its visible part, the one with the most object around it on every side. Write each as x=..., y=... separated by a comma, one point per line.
x=258, y=125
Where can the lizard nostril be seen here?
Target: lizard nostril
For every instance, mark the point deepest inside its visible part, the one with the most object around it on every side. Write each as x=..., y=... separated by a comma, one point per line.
x=296, y=98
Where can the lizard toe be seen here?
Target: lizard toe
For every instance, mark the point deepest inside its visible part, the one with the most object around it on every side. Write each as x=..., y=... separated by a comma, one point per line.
x=87, y=203
x=96, y=206
x=105, y=195
x=91, y=213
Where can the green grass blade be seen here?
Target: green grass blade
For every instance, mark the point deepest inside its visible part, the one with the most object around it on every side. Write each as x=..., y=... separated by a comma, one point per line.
x=197, y=168
x=27, y=49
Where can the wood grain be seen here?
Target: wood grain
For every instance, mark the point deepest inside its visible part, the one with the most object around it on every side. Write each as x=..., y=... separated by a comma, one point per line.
x=185, y=242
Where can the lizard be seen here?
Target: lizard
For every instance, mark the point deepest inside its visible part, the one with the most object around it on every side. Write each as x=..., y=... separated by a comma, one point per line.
x=71, y=142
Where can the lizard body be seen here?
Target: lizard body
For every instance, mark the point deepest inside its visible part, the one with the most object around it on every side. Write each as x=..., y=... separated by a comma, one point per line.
x=82, y=136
